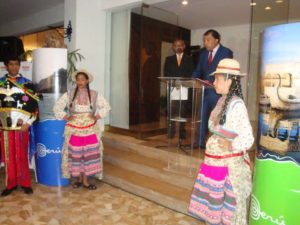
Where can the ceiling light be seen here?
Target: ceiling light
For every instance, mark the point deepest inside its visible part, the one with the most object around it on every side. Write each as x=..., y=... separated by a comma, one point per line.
x=253, y=3
x=268, y=8
x=279, y=1
x=184, y=2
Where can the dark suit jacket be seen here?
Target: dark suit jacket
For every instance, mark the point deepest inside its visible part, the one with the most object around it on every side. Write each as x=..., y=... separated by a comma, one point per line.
x=171, y=68
x=202, y=70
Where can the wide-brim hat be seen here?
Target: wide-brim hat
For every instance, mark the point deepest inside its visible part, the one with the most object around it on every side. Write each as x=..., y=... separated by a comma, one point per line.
x=74, y=74
x=229, y=66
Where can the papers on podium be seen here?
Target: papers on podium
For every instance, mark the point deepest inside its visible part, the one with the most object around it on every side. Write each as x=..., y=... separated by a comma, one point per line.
x=179, y=93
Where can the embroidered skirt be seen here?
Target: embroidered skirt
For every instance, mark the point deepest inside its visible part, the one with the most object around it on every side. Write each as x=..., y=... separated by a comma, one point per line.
x=84, y=155
x=213, y=199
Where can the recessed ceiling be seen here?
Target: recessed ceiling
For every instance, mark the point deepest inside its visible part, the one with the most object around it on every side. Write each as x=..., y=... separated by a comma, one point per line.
x=209, y=13
x=217, y=13
x=276, y=11
x=11, y=10
x=196, y=14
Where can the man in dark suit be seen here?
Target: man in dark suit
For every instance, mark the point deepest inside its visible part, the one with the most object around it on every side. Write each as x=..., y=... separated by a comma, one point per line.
x=178, y=65
x=207, y=63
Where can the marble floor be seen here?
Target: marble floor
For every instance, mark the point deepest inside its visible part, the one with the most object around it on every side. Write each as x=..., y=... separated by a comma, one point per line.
x=67, y=206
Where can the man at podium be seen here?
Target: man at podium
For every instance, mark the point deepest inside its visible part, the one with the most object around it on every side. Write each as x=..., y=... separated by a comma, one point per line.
x=178, y=65
x=207, y=63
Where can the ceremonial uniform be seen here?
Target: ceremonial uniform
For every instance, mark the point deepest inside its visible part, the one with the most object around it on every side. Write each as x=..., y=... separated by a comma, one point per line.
x=18, y=105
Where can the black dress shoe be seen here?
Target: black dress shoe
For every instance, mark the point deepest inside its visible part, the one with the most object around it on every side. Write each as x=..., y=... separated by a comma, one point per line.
x=7, y=192
x=27, y=190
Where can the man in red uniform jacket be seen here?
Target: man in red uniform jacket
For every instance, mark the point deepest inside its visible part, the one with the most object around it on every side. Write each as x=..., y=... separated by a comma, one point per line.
x=19, y=109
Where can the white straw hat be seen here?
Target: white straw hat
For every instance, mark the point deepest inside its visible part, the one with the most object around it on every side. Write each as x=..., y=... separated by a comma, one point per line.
x=229, y=66
x=74, y=74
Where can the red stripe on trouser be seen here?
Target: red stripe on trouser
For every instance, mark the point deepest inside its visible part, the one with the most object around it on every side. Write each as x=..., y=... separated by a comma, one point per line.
x=3, y=154
x=2, y=147
x=17, y=169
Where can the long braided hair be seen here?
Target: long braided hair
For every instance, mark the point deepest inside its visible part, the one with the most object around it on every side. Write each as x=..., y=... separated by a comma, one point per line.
x=76, y=90
x=234, y=90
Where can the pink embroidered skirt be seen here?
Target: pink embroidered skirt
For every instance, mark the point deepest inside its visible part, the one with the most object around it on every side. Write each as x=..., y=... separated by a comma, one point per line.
x=213, y=199
x=84, y=155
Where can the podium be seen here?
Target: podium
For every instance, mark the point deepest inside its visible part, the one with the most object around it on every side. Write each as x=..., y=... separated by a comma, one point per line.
x=184, y=113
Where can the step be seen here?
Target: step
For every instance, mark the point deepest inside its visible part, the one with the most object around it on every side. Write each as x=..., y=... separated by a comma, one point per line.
x=125, y=142
x=160, y=192
x=149, y=167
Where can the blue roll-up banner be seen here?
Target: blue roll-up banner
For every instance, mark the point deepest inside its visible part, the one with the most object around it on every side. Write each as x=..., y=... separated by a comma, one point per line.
x=276, y=182
x=50, y=74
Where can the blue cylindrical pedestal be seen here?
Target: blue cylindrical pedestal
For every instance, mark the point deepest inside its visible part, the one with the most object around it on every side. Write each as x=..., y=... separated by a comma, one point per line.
x=49, y=143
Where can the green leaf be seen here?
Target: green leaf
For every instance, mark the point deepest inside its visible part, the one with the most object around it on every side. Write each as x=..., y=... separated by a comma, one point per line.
x=73, y=57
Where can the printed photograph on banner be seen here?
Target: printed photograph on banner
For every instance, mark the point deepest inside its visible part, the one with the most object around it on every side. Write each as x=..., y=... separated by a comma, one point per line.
x=49, y=71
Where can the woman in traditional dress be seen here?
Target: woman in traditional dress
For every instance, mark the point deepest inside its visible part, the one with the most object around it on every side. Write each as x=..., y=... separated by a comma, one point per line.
x=224, y=179
x=83, y=149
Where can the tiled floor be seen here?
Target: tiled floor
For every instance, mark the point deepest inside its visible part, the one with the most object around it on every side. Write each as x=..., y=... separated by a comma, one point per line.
x=67, y=206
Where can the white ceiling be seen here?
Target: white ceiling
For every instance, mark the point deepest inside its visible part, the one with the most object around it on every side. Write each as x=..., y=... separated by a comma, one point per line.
x=197, y=14
x=218, y=13
x=193, y=15
x=11, y=10
x=209, y=13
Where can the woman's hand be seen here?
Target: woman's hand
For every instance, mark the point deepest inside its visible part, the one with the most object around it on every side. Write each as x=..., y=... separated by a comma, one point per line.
x=70, y=118
x=224, y=143
x=92, y=117
x=25, y=127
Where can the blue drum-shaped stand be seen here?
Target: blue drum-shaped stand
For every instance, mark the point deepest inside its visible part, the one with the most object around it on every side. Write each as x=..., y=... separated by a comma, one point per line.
x=49, y=137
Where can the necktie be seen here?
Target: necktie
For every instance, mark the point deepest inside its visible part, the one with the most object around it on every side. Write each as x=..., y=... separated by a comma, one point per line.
x=179, y=60
x=210, y=58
